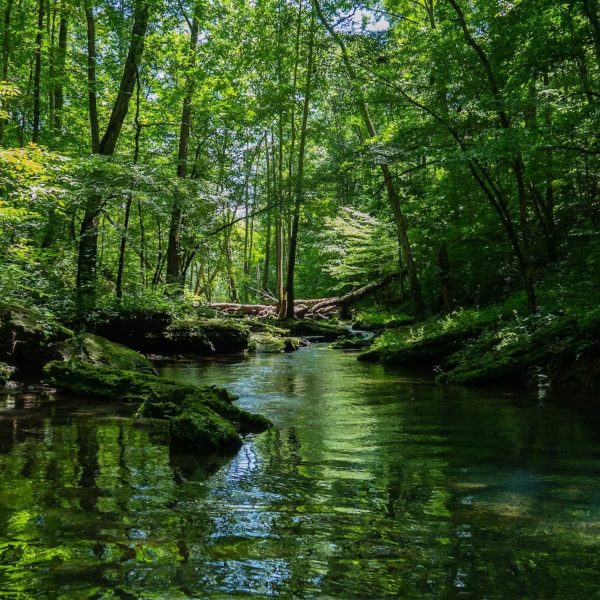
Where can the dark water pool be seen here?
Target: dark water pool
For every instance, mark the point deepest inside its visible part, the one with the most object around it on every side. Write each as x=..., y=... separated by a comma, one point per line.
x=373, y=485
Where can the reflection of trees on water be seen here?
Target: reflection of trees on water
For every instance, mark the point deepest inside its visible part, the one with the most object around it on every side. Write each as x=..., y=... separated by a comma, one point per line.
x=83, y=504
x=372, y=485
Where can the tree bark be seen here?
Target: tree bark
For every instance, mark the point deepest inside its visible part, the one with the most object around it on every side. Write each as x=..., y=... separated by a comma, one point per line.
x=299, y=192
x=88, y=243
x=61, y=58
x=37, y=73
x=91, y=75
x=5, y=57
x=174, y=270
x=393, y=198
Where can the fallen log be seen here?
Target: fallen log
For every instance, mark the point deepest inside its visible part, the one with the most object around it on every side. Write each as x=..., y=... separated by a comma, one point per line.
x=312, y=308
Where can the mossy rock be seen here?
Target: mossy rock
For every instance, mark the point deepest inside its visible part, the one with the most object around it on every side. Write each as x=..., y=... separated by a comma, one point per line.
x=216, y=417
x=552, y=349
x=353, y=343
x=158, y=333
x=6, y=372
x=256, y=325
x=202, y=429
x=98, y=351
x=267, y=343
x=430, y=350
x=327, y=330
x=28, y=337
x=370, y=356
x=292, y=344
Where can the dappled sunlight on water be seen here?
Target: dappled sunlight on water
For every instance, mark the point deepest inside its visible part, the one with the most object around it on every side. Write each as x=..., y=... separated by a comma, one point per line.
x=373, y=484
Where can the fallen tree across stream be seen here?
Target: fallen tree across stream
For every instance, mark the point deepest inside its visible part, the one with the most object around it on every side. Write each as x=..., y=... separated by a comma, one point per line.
x=313, y=308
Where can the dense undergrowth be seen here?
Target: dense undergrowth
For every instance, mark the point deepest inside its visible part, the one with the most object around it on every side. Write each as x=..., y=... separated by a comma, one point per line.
x=503, y=343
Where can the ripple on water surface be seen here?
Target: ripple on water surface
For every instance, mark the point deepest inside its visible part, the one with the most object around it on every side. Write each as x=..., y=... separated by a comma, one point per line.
x=373, y=484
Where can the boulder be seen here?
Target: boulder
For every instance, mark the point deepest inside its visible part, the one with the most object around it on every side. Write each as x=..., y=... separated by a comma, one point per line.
x=28, y=337
x=328, y=331
x=98, y=351
x=352, y=343
x=268, y=343
x=158, y=333
x=197, y=418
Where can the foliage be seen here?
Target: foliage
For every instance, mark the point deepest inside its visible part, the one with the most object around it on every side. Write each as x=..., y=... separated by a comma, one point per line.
x=484, y=119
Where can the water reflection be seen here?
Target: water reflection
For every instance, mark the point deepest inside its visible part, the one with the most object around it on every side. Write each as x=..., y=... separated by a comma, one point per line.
x=373, y=484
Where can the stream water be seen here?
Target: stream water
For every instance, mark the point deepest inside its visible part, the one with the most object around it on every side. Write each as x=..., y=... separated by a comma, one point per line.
x=374, y=484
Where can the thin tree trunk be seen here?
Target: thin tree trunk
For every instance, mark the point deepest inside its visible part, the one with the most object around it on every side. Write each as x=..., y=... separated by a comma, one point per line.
x=393, y=198
x=88, y=245
x=267, y=261
x=518, y=165
x=5, y=58
x=300, y=175
x=279, y=220
x=91, y=75
x=136, y=154
x=37, y=73
x=61, y=58
x=174, y=271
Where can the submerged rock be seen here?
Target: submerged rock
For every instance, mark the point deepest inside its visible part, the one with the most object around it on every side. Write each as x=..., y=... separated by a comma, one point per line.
x=98, y=351
x=28, y=337
x=197, y=418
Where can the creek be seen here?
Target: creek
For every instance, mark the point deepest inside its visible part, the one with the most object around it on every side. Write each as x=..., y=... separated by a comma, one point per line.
x=373, y=483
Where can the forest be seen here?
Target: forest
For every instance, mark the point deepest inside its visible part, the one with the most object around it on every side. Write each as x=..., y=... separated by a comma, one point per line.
x=414, y=182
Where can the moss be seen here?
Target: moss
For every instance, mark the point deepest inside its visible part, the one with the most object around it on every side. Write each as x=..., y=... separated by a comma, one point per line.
x=202, y=429
x=28, y=335
x=99, y=351
x=159, y=333
x=557, y=346
x=374, y=320
x=353, y=343
x=257, y=325
x=291, y=344
x=431, y=342
x=6, y=372
x=328, y=330
x=162, y=399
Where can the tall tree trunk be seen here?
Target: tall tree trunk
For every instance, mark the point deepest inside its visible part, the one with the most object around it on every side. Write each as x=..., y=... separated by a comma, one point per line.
x=37, y=73
x=5, y=58
x=299, y=195
x=88, y=243
x=518, y=165
x=393, y=198
x=174, y=270
x=6, y=39
x=279, y=219
x=61, y=58
x=128, y=202
x=91, y=75
x=590, y=8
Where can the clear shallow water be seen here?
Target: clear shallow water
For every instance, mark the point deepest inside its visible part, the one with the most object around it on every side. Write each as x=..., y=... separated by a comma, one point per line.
x=373, y=484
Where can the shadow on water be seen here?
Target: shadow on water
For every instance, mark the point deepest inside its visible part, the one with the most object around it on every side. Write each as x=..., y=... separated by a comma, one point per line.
x=373, y=484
